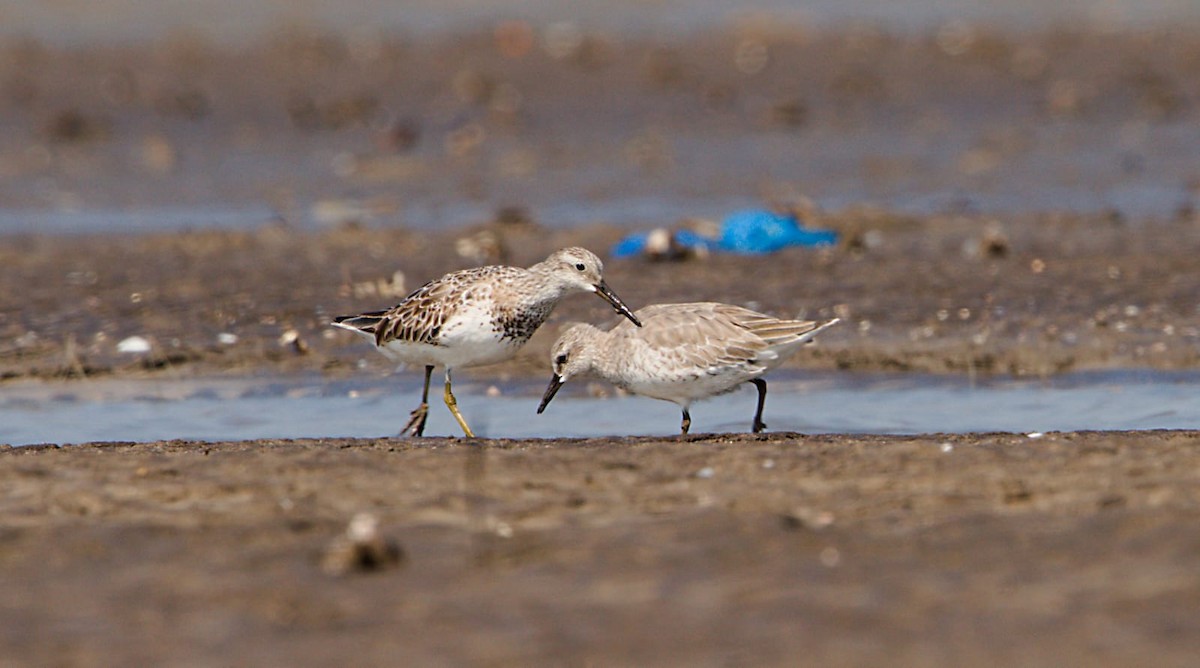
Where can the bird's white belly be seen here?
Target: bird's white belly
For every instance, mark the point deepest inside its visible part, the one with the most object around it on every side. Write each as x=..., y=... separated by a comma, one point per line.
x=460, y=344
x=684, y=388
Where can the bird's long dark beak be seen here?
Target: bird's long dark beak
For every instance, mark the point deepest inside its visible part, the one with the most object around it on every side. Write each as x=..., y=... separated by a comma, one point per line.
x=556, y=382
x=611, y=297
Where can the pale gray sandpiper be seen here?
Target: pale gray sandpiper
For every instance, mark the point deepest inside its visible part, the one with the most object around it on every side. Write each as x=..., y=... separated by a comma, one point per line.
x=682, y=353
x=478, y=316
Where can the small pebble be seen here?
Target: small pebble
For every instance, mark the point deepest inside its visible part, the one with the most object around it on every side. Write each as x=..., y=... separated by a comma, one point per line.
x=361, y=549
x=808, y=518
x=706, y=472
x=133, y=345
x=291, y=338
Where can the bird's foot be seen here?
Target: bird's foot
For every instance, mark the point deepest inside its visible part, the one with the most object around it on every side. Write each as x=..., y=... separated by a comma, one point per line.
x=416, y=422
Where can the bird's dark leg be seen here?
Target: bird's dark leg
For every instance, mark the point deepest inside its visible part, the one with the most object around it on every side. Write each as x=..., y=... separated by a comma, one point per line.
x=762, y=399
x=687, y=422
x=416, y=420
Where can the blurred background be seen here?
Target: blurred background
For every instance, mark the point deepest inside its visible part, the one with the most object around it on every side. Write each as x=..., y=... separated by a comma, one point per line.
x=132, y=115
x=81, y=22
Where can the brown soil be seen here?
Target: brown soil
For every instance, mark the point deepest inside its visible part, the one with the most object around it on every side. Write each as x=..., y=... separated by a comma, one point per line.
x=1066, y=293
x=721, y=550
x=182, y=123
x=724, y=550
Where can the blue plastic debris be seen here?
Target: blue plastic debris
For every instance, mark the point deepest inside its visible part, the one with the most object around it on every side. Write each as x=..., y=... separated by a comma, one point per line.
x=630, y=245
x=757, y=231
x=750, y=232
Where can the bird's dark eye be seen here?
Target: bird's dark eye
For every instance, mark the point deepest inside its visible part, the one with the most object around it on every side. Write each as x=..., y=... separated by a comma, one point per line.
x=579, y=266
x=561, y=359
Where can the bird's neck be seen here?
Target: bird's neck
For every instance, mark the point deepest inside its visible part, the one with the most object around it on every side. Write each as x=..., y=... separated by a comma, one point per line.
x=548, y=287
x=596, y=354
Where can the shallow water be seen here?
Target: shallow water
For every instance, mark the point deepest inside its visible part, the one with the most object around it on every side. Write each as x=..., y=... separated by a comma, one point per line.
x=828, y=162
x=214, y=410
x=236, y=21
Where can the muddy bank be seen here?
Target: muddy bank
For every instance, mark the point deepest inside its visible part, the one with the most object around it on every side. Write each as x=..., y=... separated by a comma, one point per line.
x=991, y=549
x=1031, y=295
x=385, y=158
x=941, y=157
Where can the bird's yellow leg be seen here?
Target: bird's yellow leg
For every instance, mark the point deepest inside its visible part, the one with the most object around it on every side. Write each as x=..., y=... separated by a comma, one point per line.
x=452, y=404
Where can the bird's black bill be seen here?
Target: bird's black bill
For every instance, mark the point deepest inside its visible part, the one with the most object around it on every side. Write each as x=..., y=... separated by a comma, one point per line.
x=612, y=298
x=556, y=382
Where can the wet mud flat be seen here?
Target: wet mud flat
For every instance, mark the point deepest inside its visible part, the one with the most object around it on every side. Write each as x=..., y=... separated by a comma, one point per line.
x=968, y=549
x=988, y=549
x=979, y=180
x=597, y=125
x=1028, y=295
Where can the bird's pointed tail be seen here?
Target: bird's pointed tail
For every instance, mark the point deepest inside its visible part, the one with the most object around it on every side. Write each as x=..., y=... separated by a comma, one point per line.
x=366, y=324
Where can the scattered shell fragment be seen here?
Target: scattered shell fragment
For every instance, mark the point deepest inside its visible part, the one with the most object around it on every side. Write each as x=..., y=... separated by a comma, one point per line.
x=483, y=247
x=398, y=285
x=361, y=549
x=808, y=518
x=292, y=338
x=662, y=244
x=859, y=240
x=336, y=212
x=133, y=345
x=992, y=244
x=381, y=288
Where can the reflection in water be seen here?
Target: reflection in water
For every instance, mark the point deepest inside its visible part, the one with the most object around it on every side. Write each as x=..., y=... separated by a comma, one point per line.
x=825, y=403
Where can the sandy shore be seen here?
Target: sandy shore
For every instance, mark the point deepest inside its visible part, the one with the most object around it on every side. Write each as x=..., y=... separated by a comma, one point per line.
x=981, y=549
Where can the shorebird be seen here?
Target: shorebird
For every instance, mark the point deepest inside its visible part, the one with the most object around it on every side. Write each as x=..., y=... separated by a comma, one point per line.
x=477, y=316
x=682, y=352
